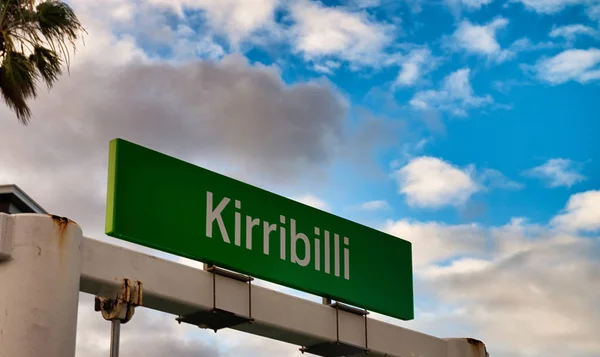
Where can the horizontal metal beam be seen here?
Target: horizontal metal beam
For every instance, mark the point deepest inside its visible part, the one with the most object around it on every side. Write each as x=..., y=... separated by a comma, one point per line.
x=182, y=290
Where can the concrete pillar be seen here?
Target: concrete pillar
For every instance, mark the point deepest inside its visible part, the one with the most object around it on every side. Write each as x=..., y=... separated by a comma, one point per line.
x=40, y=267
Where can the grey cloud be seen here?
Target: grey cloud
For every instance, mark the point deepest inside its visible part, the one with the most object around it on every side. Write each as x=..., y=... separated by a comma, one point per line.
x=372, y=135
x=473, y=211
x=226, y=115
x=421, y=122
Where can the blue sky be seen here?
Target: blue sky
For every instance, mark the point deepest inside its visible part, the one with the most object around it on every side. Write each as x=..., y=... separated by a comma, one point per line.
x=527, y=119
x=468, y=127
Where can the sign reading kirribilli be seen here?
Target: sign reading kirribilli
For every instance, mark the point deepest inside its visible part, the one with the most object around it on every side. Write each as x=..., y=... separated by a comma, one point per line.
x=167, y=204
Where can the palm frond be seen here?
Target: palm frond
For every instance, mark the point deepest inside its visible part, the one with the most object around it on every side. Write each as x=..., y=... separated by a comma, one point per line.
x=47, y=63
x=57, y=20
x=59, y=24
x=34, y=41
x=17, y=83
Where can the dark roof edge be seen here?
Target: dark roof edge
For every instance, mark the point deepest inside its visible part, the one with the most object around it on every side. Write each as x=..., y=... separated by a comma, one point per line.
x=22, y=196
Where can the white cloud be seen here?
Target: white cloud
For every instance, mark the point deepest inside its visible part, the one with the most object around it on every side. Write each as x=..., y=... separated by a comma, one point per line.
x=375, y=205
x=363, y=4
x=415, y=66
x=519, y=237
x=481, y=39
x=455, y=96
x=312, y=201
x=484, y=281
x=578, y=65
x=431, y=182
x=144, y=34
x=550, y=6
x=409, y=151
x=458, y=266
x=524, y=44
x=593, y=12
x=435, y=242
x=475, y=4
x=320, y=32
x=543, y=288
x=238, y=20
x=558, y=172
x=457, y=6
x=495, y=179
x=327, y=67
x=98, y=19
x=115, y=11
x=571, y=32
x=504, y=86
x=184, y=43
x=582, y=212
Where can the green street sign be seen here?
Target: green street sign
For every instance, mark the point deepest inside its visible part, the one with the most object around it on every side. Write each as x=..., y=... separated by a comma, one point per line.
x=167, y=204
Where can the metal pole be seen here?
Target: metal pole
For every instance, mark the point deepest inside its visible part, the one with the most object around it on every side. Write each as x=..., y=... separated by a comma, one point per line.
x=39, y=285
x=115, y=334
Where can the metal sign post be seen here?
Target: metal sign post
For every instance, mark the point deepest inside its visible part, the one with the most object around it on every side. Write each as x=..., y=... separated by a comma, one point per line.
x=115, y=334
x=119, y=310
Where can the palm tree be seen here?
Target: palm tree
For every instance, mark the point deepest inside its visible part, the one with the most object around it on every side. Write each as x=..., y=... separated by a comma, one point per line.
x=34, y=38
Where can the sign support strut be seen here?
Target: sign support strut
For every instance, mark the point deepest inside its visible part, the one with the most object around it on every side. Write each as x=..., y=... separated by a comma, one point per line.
x=339, y=348
x=217, y=318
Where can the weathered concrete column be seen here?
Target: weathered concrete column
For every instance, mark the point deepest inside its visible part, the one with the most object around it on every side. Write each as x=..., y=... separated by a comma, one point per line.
x=40, y=267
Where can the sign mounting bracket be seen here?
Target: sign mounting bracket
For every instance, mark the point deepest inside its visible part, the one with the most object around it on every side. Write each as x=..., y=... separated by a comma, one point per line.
x=216, y=318
x=338, y=348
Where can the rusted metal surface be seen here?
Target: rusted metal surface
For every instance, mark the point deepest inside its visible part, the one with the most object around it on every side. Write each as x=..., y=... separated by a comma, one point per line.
x=120, y=310
x=62, y=226
x=122, y=307
x=478, y=347
x=61, y=223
